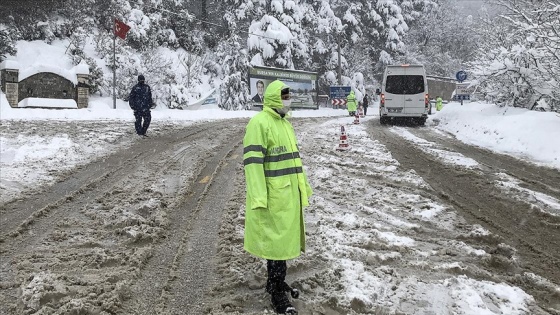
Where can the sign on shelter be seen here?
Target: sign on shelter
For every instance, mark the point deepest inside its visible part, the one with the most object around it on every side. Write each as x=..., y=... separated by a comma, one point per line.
x=303, y=85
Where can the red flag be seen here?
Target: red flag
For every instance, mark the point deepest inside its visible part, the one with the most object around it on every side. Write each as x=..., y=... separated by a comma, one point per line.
x=121, y=29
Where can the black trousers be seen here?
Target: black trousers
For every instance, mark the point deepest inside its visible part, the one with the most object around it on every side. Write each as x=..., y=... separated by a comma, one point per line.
x=365, y=110
x=276, y=275
x=140, y=115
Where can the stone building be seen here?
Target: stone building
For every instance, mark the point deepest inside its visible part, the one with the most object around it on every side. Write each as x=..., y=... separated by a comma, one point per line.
x=44, y=82
x=441, y=86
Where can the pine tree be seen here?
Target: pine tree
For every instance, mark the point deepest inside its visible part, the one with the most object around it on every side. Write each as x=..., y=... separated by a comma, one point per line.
x=327, y=34
x=234, y=90
x=7, y=46
x=278, y=39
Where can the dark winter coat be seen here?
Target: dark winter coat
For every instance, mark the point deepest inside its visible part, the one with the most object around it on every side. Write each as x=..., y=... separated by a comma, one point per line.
x=140, y=98
x=366, y=101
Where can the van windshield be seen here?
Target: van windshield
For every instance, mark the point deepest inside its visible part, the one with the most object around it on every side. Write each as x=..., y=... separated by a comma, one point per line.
x=404, y=84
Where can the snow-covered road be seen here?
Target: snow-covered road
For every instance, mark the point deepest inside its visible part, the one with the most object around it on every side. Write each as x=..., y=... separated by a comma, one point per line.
x=408, y=221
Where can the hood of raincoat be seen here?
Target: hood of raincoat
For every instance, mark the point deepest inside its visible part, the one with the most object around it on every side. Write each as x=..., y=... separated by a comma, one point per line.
x=351, y=93
x=272, y=97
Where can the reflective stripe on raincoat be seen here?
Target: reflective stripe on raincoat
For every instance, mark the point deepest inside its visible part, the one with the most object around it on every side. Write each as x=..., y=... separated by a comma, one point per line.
x=351, y=102
x=277, y=187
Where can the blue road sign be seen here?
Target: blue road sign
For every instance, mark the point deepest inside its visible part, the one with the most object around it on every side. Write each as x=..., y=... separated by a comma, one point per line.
x=339, y=92
x=210, y=99
x=461, y=97
x=461, y=76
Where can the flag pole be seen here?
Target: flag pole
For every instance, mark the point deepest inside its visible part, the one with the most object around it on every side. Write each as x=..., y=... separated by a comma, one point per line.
x=114, y=66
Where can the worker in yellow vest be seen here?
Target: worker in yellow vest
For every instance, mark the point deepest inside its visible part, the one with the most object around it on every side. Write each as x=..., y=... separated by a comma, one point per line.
x=439, y=103
x=277, y=191
x=351, y=104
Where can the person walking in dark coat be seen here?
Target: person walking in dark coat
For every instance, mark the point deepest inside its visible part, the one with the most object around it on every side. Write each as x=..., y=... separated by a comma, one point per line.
x=366, y=104
x=140, y=100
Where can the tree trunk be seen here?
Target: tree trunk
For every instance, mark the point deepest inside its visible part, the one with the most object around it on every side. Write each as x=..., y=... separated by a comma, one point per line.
x=204, y=11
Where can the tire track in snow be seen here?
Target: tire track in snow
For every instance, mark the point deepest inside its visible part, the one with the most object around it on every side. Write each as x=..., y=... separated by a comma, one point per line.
x=180, y=273
x=112, y=254
x=474, y=194
x=21, y=214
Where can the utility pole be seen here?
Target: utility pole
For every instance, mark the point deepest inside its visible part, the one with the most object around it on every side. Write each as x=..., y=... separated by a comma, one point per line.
x=204, y=10
x=339, y=63
x=114, y=21
x=114, y=69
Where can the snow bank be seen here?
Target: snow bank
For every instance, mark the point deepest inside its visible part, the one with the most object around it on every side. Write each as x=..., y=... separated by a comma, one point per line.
x=5, y=107
x=514, y=131
x=48, y=102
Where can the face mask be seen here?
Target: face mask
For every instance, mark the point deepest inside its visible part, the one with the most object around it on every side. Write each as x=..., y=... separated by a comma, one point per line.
x=284, y=110
x=287, y=103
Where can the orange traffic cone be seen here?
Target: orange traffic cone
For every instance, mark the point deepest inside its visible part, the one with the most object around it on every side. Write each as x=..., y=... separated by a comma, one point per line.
x=343, y=144
x=356, y=119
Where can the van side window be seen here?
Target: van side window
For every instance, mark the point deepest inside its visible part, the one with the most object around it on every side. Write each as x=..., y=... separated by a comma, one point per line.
x=404, y=84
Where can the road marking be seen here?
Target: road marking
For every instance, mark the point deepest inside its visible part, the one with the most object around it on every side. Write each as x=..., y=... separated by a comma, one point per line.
x=205, y=180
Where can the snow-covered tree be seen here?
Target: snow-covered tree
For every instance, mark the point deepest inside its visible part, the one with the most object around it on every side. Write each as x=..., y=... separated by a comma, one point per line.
x=370, y=33
x=516, y=60
x=520, y=57
x=278, y=39
x=439, y=42
x=378, y=28
x=327, y=36
x=7, y=46
x=234, y=90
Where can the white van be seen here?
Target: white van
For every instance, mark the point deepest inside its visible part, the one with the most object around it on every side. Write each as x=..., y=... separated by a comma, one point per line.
x=404, y=94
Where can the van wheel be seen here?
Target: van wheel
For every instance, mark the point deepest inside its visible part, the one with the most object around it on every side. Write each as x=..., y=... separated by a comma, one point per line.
x=383, y=120
x=422, y=121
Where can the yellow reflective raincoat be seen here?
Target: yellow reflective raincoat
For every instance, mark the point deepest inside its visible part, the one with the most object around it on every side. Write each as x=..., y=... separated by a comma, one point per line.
x=351, y=104
x=277, y=187
x=439, y=103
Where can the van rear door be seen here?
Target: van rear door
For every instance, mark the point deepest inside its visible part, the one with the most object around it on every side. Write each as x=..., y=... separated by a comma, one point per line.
x=394, y=97
x=414, y=102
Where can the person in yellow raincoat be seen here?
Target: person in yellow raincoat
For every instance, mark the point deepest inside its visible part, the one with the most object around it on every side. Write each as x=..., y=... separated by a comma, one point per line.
x=277, y=192
x=439, y=103
x=351, y=104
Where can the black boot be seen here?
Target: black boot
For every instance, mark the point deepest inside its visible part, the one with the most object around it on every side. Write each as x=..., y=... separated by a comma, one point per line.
x=280, y=301
x=277, y=287
x=284, y=287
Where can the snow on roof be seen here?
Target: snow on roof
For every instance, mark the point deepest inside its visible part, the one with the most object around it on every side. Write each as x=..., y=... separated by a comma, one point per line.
x=37, y=56
x=82, y=68
x=70, y=75
x=9, y=64
x=283, y=69
x=48, y=102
